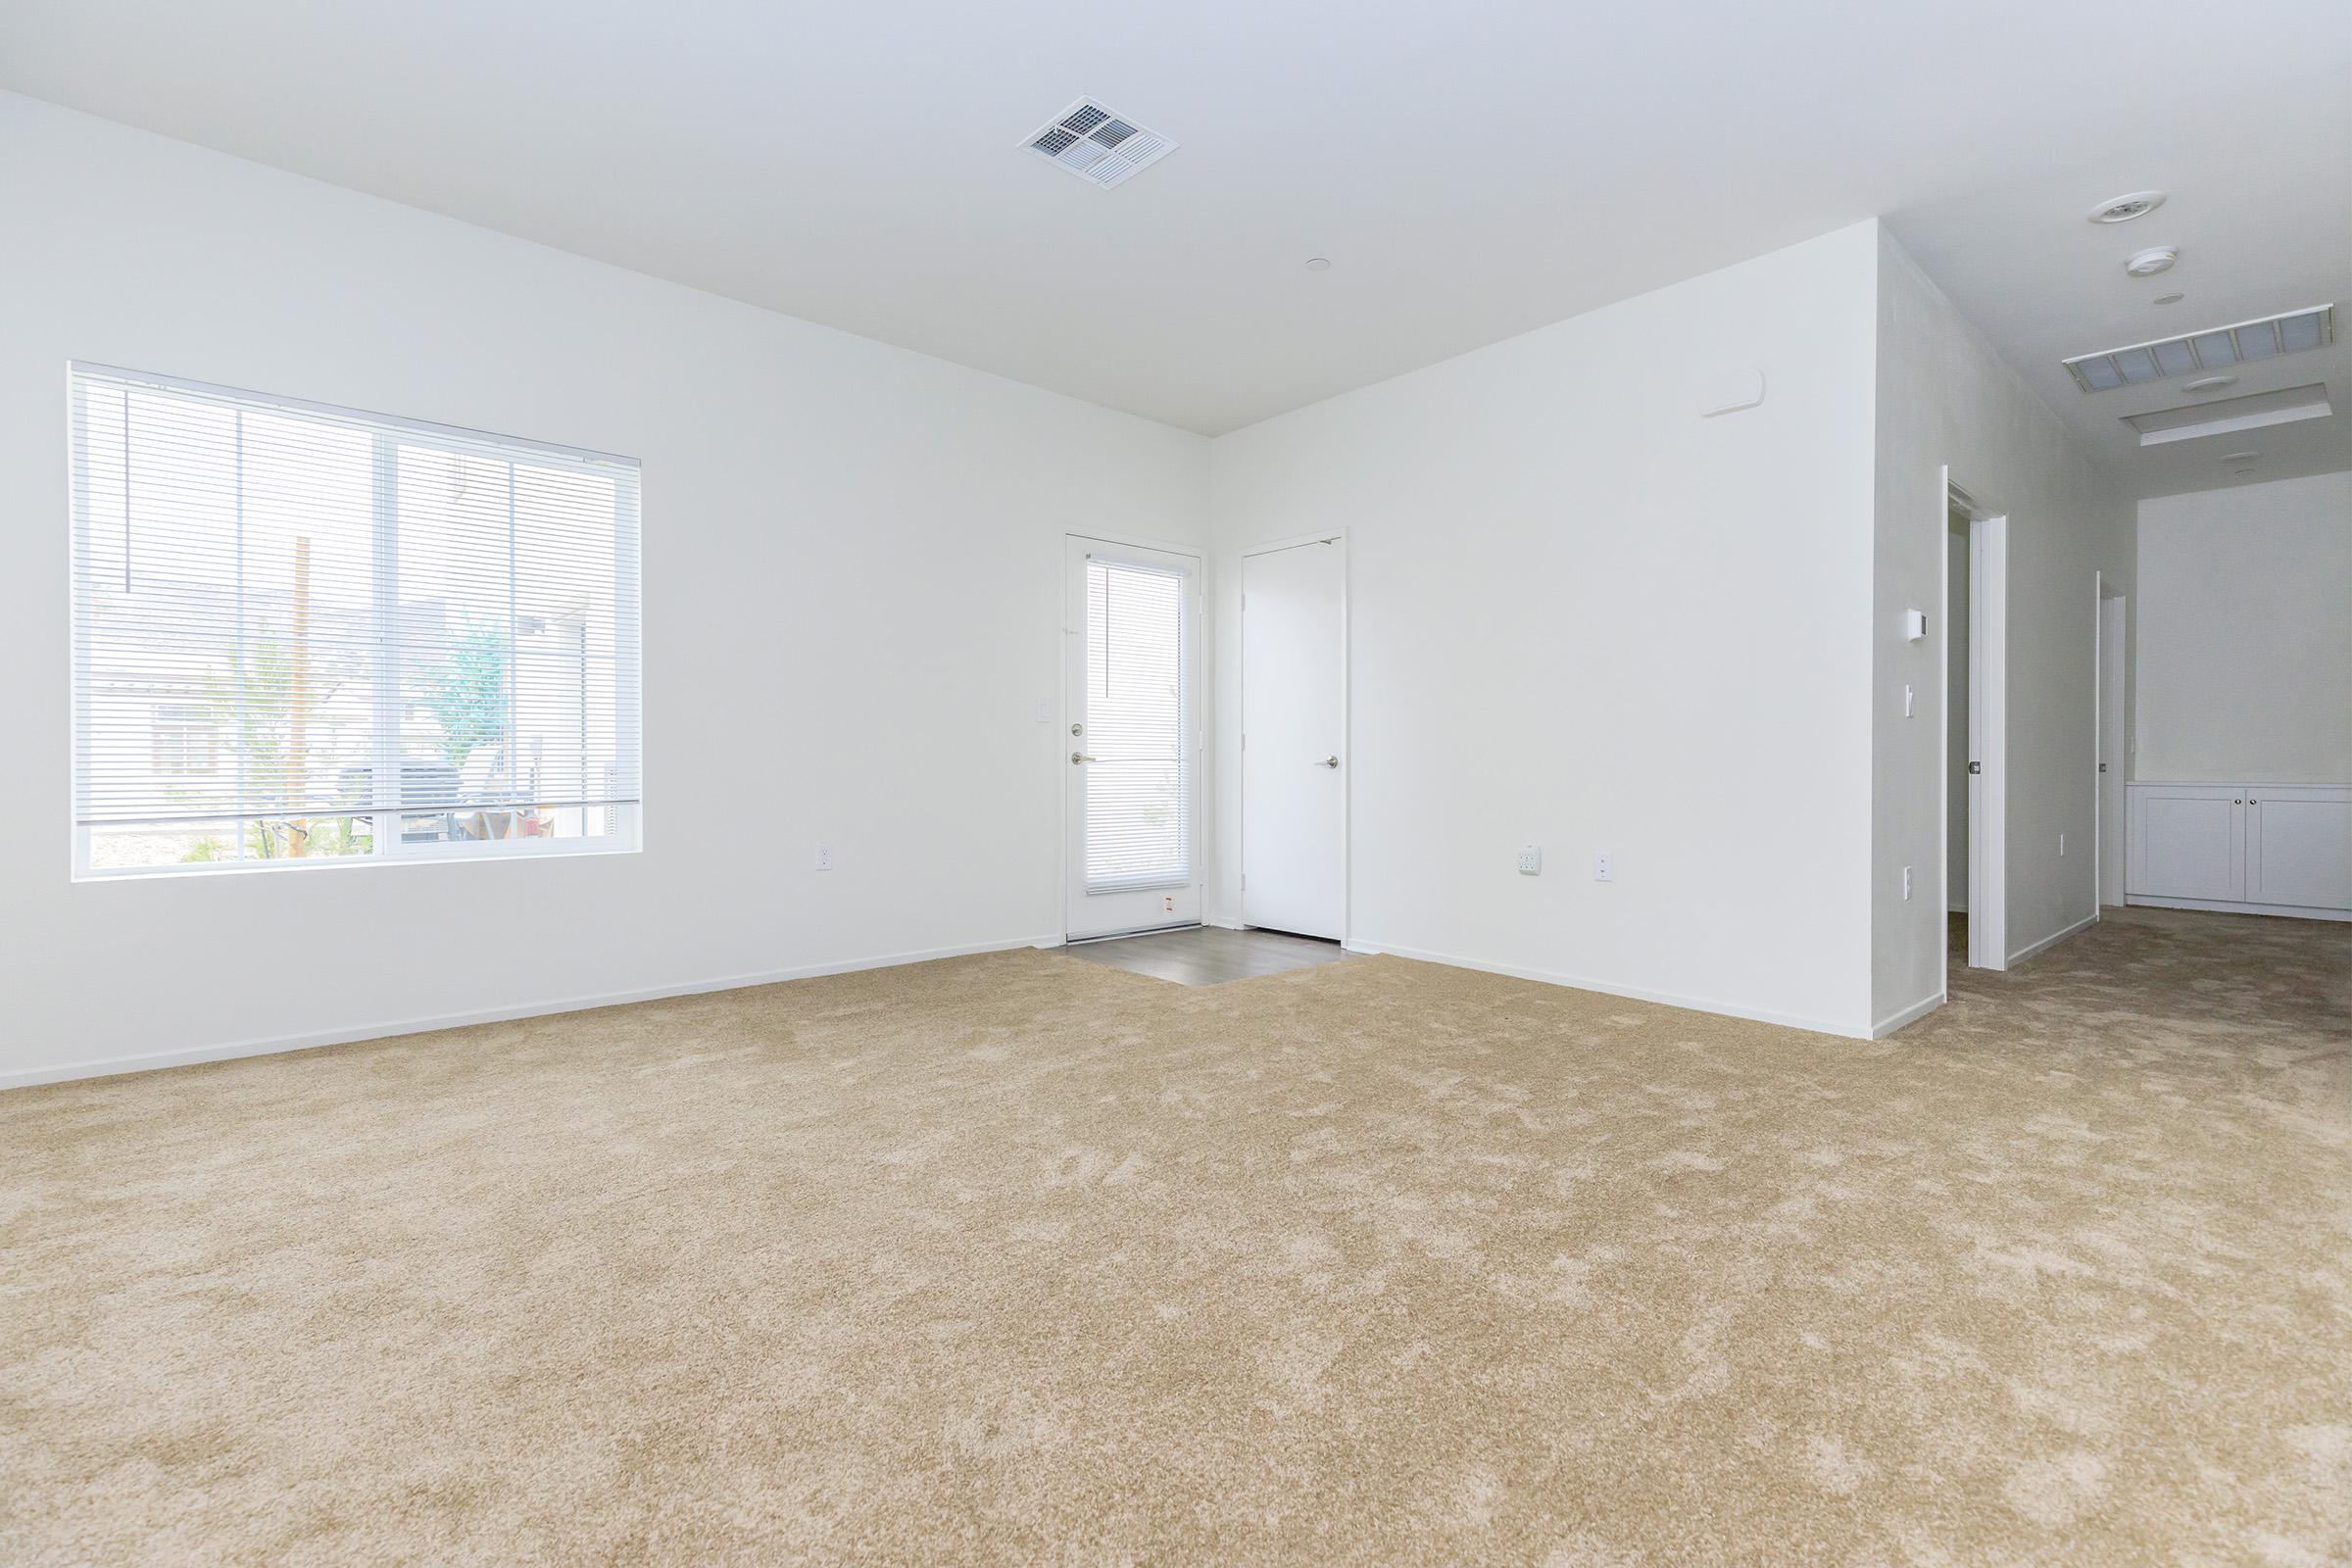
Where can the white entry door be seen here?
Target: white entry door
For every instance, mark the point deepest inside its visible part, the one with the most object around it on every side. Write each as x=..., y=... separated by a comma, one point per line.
x=1133, y=719
x=1294, y=766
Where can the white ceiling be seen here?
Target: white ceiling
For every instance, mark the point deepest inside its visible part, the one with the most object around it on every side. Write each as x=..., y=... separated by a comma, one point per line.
x=2260, y=206
x=1473, y=170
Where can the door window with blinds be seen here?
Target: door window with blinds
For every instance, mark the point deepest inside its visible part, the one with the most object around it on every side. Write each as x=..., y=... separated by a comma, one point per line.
x=1138, y=816
x=307, y=636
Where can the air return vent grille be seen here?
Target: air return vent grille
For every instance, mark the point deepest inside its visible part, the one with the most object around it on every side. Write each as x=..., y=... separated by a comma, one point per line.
x=1094, y=144
x=2210, y=350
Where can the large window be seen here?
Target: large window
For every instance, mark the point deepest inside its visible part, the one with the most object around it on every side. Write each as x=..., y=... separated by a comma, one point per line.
x=306, y=636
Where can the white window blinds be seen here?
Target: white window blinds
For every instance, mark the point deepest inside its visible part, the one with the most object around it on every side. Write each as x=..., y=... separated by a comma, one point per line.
x=304, y=634
x=1138, y=821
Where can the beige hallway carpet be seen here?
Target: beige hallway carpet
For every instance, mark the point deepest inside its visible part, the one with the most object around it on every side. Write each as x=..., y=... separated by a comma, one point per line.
x=1017, y=1258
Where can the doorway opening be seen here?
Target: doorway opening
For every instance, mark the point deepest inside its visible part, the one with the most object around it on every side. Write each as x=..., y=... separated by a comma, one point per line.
x=1974, y=674
x=1294, y=729
x=1132, y=712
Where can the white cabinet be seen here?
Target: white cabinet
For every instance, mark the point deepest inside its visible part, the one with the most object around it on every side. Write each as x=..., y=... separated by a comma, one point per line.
x=2299, y=847
x=2258, y=848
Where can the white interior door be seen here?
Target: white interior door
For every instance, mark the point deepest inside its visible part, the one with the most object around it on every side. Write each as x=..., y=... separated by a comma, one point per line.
x=1987, y=743
x=1132, y=720
x=1293, y=762
x=2111, y=751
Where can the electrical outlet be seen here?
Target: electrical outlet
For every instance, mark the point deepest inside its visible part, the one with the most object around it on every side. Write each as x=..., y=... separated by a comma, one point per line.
x=1531, y=860
x=1605, y=869
x=824, y=856
x=1906, y=881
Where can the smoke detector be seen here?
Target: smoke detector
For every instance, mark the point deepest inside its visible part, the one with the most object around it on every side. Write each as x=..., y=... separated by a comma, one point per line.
x=2150, y=261
x=1094, y=144
x=2124, y=209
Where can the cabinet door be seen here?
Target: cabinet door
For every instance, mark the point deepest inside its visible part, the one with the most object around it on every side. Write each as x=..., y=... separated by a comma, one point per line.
x=2299, y=847
x=2188, y=841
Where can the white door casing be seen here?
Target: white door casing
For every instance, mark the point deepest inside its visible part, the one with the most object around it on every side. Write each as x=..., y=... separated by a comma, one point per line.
x=1295, y=763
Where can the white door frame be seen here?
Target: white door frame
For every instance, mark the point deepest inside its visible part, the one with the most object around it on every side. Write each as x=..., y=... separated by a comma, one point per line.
x=1988, y=730
x=1241, y=825
x=1197, y=673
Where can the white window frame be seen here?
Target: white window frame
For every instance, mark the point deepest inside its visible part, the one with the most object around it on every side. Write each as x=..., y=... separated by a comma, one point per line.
x=387, y=848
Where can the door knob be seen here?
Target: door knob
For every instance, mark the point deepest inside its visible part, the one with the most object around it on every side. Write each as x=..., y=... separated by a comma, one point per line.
x=1079, y=757
x=1975, y=767
x=1329, y=762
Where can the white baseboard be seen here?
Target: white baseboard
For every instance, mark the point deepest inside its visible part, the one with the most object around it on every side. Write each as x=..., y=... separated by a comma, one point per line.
x=24, y=1078
x=1895, y=1020
x=2051, y=941
x=2291, y=911
x=1727, y=1010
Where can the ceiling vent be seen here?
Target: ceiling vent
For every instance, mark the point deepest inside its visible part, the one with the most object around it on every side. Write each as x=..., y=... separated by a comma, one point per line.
x=2212, y=350
x=1094, y=144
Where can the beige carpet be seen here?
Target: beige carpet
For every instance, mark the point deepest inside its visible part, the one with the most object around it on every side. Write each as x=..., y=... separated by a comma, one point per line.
x=1022, y=1259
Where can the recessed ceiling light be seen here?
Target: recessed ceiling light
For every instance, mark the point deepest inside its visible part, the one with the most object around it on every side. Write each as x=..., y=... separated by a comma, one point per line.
x=2124, y=209
x=2238, y=416
x=2148, y=262
x=2210, y=383
x=1318, y=264
x=2239, y=457
x=2169, y=298
x=2241, y=470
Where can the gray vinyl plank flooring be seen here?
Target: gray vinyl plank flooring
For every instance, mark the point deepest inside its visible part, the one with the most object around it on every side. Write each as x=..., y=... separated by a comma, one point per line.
x=1208, y=956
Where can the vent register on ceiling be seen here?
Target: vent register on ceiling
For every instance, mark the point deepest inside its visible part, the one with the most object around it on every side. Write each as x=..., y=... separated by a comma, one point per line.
x=2215, y=349
x=1094, y=144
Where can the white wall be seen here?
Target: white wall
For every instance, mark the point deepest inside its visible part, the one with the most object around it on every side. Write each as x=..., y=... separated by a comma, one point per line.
x=1946, y=398
x=1583, y=617
x=809, y=499
x=2245, y=633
